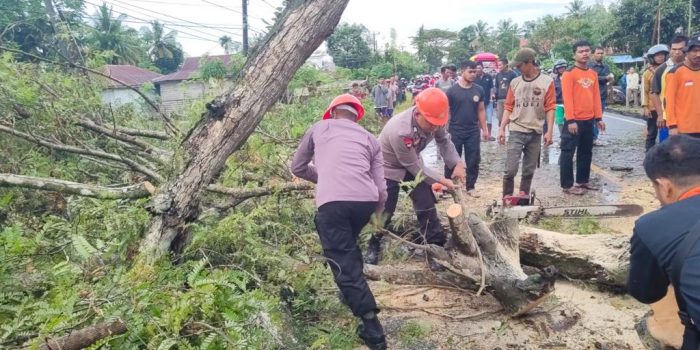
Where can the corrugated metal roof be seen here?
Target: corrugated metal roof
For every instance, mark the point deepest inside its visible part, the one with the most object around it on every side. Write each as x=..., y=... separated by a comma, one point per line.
x=190, y=66
x=130, y=75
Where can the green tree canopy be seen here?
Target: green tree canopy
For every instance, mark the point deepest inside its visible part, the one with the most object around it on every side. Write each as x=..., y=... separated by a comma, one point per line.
x=348, y=46
x=163, y=49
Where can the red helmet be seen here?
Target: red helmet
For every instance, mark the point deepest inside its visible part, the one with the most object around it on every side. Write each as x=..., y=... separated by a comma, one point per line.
x=346, y=99
x=432, y=103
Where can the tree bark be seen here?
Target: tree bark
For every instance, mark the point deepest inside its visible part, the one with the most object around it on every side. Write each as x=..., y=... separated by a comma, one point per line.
x=602, y=259
x=230, y=119
x=85, y=337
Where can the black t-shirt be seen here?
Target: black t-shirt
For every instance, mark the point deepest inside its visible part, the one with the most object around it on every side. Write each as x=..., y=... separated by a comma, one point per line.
x=503, y=82
x=486, y=83
x=464, y=108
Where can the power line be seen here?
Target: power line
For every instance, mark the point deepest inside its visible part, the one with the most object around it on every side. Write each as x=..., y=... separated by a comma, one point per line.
x=165, y=23
x=162, y=14
x=268, y=4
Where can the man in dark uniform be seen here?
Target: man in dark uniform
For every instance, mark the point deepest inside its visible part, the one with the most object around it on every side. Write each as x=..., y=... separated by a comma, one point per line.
x=664, y=248
x=604, y=76
x=486, y=82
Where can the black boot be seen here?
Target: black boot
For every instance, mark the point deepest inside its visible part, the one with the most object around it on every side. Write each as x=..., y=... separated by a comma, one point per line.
x=371, y=332
x=373, y=248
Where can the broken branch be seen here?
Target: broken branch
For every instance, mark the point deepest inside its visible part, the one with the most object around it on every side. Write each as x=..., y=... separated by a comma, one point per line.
x=115, y=134
x=85, y=337
x=140, y=190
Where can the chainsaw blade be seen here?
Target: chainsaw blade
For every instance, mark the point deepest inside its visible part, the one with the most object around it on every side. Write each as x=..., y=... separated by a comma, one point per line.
x=608, y=210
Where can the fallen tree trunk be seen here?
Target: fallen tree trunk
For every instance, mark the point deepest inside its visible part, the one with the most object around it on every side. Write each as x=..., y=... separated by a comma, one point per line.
x=230, y=119
x=602, y=259
x=85, y=337
x=480, y=256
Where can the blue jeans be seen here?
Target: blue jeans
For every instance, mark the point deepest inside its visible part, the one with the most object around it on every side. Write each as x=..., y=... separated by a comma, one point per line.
x=489, y=113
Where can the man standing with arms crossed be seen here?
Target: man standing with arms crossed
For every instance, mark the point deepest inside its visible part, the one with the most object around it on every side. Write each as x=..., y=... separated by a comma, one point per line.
x=486, y=82
x=349, y=173
x=529, y=105
x=582, y=109
x=402, y=140
x=501, y=83
x=683, y=92
x=467, y=122
x=604, y=76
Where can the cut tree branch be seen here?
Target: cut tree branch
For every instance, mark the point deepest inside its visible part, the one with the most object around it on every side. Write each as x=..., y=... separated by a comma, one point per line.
x=245, y=193
x=84, y=151
x=140, y=190
x=85, y=337
x=153, y=134
x=148, y=148
x=168, y=121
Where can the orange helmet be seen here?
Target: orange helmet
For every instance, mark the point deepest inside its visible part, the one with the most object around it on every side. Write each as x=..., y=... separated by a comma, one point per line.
x=433, y=105
x=346, y=99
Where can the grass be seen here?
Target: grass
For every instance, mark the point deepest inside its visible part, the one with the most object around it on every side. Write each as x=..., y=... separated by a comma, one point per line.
x=580, y=226
x=413, y=332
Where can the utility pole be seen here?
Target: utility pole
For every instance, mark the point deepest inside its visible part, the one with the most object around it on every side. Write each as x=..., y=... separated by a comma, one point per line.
x=690, y=17
x=245, y=27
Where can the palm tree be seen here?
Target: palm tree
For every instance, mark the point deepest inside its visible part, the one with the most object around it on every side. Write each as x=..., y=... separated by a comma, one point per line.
x=229, y=45
x=110, y=36
x=482, y=31
x=575, y=8
x=163, y=49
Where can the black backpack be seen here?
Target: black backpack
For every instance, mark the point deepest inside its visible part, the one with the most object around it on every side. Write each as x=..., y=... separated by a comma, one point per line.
x=684, y=249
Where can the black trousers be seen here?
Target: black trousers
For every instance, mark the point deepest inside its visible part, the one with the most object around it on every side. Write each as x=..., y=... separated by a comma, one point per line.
x=470, y=146
x=582, y=145
x=338, y=225
x=423, y=204
x=652, y=130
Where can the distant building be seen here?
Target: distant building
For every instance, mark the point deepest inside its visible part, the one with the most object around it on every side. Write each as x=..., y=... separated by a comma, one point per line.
x=179, y=88
x=322, y=60
x=117, y=94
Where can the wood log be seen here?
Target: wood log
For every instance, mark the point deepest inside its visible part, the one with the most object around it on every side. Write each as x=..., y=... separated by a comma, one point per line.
x=602, y=259
x=85, y=337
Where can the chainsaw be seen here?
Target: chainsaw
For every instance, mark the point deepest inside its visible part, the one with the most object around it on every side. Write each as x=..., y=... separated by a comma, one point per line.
x=523, y=207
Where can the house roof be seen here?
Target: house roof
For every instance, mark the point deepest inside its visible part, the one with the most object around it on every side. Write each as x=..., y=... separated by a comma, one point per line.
x=130, y=75
x=621, y=59
x=190, y=66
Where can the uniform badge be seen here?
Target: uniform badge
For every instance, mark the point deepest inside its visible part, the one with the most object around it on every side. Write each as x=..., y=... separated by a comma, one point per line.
x=408, y=141
x=475, y=98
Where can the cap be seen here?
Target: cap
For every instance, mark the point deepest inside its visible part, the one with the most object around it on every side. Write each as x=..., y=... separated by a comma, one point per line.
x=348, y=108
x=693, y=41
x=525, y=54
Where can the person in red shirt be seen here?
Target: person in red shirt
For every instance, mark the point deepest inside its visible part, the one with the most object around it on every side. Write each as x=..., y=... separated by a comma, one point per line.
x=582, y=109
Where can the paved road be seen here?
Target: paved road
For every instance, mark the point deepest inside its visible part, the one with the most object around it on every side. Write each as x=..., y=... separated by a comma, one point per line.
x=624, y=147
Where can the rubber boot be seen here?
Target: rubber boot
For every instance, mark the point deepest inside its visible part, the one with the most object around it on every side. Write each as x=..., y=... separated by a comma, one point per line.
x=371, y=332
x=373, y=248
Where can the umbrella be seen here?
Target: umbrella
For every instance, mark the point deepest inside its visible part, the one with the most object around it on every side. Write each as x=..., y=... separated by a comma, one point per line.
x=485, y=57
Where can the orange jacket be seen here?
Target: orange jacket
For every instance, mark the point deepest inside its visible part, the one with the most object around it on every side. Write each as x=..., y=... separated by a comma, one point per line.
x=581, y=94
x=682, y=94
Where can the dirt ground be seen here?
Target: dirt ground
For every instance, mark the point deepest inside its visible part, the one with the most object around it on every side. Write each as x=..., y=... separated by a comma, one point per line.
x=576, y=316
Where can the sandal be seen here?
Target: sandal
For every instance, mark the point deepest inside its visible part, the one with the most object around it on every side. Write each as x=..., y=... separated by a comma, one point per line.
x=587, y=186
x=574, y=190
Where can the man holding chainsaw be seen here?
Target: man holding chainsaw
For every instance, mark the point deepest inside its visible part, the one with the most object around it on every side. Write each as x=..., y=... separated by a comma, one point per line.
x=530, y=103
x=665, y=246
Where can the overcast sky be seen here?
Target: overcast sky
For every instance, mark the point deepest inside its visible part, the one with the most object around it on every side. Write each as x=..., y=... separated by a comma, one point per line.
x=201, y=22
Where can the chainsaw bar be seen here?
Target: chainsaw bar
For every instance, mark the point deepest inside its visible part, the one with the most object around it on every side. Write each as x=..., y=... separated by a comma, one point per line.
x=610, y=210
x=525, y=211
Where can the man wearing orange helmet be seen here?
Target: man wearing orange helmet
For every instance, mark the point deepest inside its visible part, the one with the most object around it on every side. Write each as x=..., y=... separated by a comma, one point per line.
x=349, y=176
x=402, y=140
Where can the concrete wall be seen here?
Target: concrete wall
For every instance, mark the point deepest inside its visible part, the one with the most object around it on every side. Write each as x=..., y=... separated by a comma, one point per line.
x=118, y=97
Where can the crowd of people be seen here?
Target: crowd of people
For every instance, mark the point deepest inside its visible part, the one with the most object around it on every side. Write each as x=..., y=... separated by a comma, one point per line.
x=359, y=175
